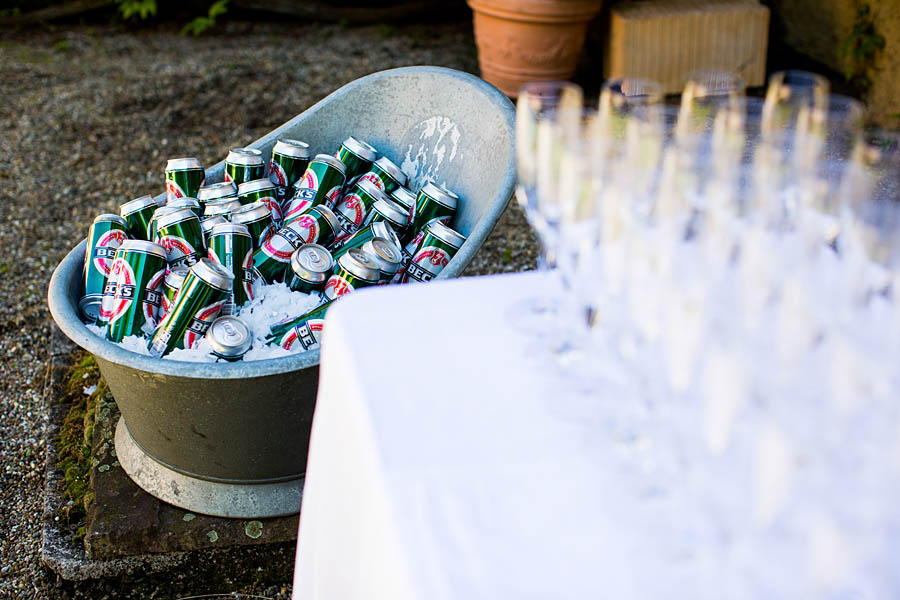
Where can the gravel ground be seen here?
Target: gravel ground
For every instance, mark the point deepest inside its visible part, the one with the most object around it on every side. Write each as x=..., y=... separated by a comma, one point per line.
x=89, y=116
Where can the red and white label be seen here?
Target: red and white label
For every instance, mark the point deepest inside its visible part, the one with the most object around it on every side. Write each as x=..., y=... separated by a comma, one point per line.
x=373, y=179
x=333, y=194
x=297, y=207
x=352, y=207
x=307, y=228
x=200, y=323
x=277, y=174
x=274, y=207
x=309, y=181
x=109, y=242
x=303, y=337
x=176, y=247
x=337, y=286
x=152, y=300
x=247, y=280
x=125, y=290
x=173, y=190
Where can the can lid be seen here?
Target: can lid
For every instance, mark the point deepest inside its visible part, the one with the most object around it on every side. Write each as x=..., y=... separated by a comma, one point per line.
x=446, y=235
x=385, y=252
x=244, y=156
x=392, y=169
x=176, y=216
x=328, y=159
x=208, y=222
x=251, y=212
x=111, y=218
x=175, y=277
x=214, y=191
x=312, y=262
x=132, y=206
x=226, y=227
x=392, y=211
x=229, y=337
x=404, y=197
x=145, y=247
x=163, y=210
x=255, y=186
x=384, y=230
x=186, y=202
x=89, y=306
x=294, y=148
x=371, y=189
x=213, y=273
x=440, y=194
x=360, y=264
x=180, y=164
x=218, y=209
x=361, y=149
x=328, y=214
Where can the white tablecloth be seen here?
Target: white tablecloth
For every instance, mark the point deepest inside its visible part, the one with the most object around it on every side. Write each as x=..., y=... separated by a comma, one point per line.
x=439, y=467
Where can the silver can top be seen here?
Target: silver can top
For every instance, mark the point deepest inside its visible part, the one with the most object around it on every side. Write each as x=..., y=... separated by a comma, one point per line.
x=328, y=159
x=251, y=212
x=440, y=194
x=391, y=169
x=256, y=185
x=111, y=218
x=213, y=273
x=176, y=216
x=217, y=209
x=371, y=189
x=404, y=197
x=386, y=255
x=132, y=206
x=392, y=211
x=191, y=203
x=312, y=262
x=294, y=148
x=208, y=222
x=328, y=214
x=361, y=149
x=214, y=191
x=175, y=277
x=384, y=230
x=163, y=210
x=229, y=337
x=145, y=247
x=180, y=164
x=360, y=264
x=446, y=235
x=244, y=156
x=232, y=228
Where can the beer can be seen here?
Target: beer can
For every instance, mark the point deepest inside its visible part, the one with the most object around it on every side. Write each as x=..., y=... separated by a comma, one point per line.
x=385, y=175
x=139, y=270
x=258, y=219
x=290, y=158
x=355, y=270
x=318, y=225
x=202, y=295
x=434, y=203
x=273, y=258
x=387, y=257
x=216, y=191
x=208, y=223
x=106, y=234
x=437, y=248
x=388, y=210
x=380, y=229
x=356, y=155
x=181, y=234
x=229, y=338
x=231, y=245
x=172, y=283
x=152, y=225
x=353, y=207
x=244, y=164
x=405, y=198
x=261, y=190
x=189, y=203
x=224, y=207
x=300, y=334
x=311, y=264
x=184, y=178
x=321, y=183
x=137, y=214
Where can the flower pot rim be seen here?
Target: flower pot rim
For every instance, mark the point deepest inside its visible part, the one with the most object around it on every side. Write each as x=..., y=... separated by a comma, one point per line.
x=538, y=11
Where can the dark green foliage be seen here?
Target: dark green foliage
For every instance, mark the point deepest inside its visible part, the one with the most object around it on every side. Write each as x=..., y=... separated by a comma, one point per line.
x=201, y=24
x=859, y=48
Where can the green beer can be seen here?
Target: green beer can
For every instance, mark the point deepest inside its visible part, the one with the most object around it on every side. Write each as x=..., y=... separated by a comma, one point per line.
x=321, y=184
x=172, y=283
x=377, y=229
x=216, y=191
x=181, y=234
x=208, y=223
x=405, y=198
x=261, y=190
x=184, y=178
x=353, y=207
x=258, y=219
x=273, y=258
x=106, y=234
x=437, y=248
x=231, y=246
x=434, y=203
x=244, y=164
x=152, y=225
x=290, y=158
x=203, y=293
x=386, y=256
x=357, y=156
x=139, y=272
x=311, y=264
x=385, y=175
x=137, y=214
x=393, y=213
x=302, y=333
x=355, y=270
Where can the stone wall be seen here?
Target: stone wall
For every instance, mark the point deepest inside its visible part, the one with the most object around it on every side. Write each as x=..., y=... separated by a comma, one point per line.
x=818, y=28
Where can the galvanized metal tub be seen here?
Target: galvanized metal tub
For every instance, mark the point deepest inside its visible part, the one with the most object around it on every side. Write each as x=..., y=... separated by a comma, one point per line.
x=231, y=439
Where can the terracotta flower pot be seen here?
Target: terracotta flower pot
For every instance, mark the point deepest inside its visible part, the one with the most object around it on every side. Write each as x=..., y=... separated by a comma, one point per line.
x=527, y=40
